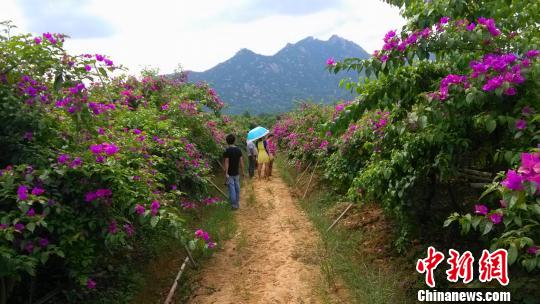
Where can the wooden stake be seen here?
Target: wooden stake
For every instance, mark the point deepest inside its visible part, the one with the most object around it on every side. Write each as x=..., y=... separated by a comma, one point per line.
x=218, y=189
x=190, y=257
x=339, y=217
x=311, y=177
x=301, y=174
x=175, y=284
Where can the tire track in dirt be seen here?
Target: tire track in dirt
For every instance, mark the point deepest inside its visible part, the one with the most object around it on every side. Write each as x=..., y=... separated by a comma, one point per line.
x=272, y=258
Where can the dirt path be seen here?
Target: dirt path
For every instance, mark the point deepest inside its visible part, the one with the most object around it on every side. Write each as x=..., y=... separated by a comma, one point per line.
x=273, y=257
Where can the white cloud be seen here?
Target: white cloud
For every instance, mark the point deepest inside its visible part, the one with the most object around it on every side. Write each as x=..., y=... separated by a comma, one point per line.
x=200, y=34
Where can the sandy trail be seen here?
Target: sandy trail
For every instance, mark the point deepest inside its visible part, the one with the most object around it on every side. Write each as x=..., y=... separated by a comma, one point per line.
x=272, y=258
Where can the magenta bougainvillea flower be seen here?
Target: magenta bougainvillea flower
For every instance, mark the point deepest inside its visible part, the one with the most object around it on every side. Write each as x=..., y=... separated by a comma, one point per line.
x=43, y=242
x=37, y=191
x=22, y=192
x=113, y=228
x=330, y=61
x=130, y=231
x=154, y=207
x=513, y=181
x=19, y=227
x=532, y=250
x=90, y=284
x=521, y=124
x=496, y=218
x=31, y=212
x=481, y=209
x=139, y=209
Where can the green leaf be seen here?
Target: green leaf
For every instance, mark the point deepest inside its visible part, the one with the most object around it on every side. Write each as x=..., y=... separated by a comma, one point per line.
x=31, y=227
x=487, y=228
x=512, y=254
x=491, y=124
x=154, y=221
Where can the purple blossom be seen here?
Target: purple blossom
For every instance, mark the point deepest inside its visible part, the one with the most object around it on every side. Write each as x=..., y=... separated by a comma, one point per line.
x=384, y=58
x=90, y=284
x=444, y=20
x=139, y=209
x=28, y=136
x=330, y=61
x=481, y=209
x=511, y=91
x=96, y=149
x=19, y=227
x=113, y=229
x=521, y=124
x=37, y=40
x=43, y=242
x=99, y=57
x=88, y=68
x=130, y=231
x=37, y=191
x=22, y=192
x=154, y=207
x=90, y=196
x=513, y=181
x=471, y=26
x=31, y=212
x=532, y=250
x=77, y=162
x=29, y=247
x=496, y=218
x=137, y=131
x=532, y=53
x=211, y=245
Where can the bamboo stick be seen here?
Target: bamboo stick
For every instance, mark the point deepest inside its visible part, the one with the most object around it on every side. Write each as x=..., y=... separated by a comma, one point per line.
x=175, y=284
x=309, y=183
x=219, y=189
x=301, y=174
x=339, y=217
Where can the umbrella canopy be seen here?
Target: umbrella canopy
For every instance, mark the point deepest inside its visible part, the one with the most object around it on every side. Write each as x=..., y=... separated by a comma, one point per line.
x=257, y=133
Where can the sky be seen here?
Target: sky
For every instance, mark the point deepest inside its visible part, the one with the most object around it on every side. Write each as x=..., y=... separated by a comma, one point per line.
x=198, y=34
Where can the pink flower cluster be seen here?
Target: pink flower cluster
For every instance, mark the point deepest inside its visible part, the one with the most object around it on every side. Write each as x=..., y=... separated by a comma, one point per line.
x=394, y=43
x=101, y=151
x=379, y=122
x=203, y=235
x=76, y=97
x=104, y=194
x=446, y=82
x=529, y=171
x=497, y=70
x=99, y=108
x=33, y=90
x=64, y=159
x=348, y=135
x=495, y=217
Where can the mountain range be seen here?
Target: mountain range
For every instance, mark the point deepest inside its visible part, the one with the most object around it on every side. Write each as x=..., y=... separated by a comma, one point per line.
x=271, y=84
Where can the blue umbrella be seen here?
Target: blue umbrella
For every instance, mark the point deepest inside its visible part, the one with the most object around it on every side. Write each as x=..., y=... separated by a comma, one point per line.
x=257, y=133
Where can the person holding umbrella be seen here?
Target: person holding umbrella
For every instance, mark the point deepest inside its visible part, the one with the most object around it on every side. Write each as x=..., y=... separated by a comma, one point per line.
x=255, y=135
x=263, y=158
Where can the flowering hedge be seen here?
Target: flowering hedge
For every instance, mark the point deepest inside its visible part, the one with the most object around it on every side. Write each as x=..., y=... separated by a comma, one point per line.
x=91, y=162
x=456, y=90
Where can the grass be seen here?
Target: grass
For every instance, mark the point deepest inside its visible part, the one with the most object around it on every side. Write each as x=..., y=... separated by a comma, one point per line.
x=340, y=259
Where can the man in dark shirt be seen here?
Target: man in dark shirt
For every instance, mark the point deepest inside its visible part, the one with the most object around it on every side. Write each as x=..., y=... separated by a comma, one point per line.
x=234, y=165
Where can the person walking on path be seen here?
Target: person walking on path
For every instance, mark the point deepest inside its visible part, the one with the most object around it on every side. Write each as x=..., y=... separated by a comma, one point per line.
x=234, y=165
x=252, y=156
x=271, y=147
x=262, y=158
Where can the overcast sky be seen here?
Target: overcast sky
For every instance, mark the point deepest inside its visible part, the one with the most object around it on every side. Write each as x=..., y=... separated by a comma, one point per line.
x=198, y=34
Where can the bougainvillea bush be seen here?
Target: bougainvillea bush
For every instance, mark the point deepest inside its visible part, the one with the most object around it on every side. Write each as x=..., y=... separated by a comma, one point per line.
x=449, y=102
x=91, y=163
